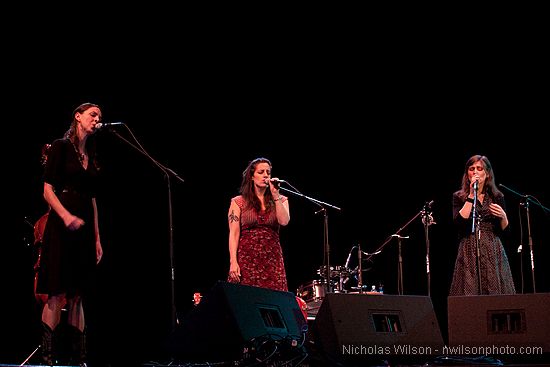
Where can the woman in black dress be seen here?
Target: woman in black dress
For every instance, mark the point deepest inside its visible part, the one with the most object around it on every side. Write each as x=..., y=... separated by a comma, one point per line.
x=71, y=242
x=494, y=274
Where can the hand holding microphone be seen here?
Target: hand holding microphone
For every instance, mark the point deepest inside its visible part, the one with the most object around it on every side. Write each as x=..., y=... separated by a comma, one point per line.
x=275, y=182
x=475, y=182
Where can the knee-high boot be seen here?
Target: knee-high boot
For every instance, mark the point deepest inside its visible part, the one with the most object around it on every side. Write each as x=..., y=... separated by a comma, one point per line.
x=78, y=345
x=47, y=345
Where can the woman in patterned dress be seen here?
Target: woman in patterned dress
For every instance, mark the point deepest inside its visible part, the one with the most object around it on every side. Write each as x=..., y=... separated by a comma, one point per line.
x=255, y=216
x=495, y=273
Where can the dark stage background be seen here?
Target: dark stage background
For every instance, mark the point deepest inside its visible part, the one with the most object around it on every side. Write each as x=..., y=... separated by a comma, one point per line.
x=378, y=144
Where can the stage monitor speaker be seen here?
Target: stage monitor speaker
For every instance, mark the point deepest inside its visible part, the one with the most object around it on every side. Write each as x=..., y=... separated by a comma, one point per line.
x=232, y=318
x=499, y=324
x=351, y=327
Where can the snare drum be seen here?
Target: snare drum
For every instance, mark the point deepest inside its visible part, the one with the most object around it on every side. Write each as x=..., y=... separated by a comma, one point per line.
x=312, y=291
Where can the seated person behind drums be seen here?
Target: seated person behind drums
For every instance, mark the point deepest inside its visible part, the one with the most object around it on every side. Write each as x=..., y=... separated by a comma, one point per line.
x=255, y=216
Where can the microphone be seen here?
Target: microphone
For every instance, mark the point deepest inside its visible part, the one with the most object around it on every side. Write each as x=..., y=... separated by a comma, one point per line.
x=101, y=125
x=475, y=185
x=349, y=257
x=429, y=204
x=275, y=182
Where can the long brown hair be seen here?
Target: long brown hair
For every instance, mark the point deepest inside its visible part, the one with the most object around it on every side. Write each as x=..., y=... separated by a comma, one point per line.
x=247, y=186
x=490, y=186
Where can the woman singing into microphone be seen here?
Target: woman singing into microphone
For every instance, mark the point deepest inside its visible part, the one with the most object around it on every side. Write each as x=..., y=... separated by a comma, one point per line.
x=489, y=272
x=255, y=216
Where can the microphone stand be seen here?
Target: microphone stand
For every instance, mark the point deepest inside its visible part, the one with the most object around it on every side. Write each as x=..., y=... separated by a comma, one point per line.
x=397, y=234
x=530, y=241
x=476, y=232
x=167, y=171
x=326, y=245
x=360, y=267
x=346, y=269
x=427, y=220
x=526, y=199
x=399, y=264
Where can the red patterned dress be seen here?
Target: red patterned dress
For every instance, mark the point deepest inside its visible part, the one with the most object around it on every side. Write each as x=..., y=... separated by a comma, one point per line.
x=259, y=254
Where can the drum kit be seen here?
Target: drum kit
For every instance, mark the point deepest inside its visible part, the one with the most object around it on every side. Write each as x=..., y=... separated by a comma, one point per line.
x=342, y=280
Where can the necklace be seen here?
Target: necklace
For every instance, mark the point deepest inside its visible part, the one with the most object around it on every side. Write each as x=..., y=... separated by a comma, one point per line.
x=81, y=156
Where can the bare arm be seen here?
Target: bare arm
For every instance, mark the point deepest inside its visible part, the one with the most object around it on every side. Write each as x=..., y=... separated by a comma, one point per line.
x=234, y=220
x=98, y=247
x=281, y=209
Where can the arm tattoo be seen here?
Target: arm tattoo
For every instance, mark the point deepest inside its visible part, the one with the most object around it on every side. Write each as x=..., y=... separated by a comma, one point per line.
x=233, y=217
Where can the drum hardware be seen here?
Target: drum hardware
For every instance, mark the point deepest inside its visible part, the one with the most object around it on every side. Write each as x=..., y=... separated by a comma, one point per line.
x=360, y=269
x=323, y=209
x=399, y=263
x=335, y=272
x=314, y=290
x=425, y=212
x=311, y=295
x=339, y=277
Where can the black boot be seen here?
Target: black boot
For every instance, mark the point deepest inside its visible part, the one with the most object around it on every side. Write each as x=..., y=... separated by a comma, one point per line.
x=47, y=345
x=78, y=346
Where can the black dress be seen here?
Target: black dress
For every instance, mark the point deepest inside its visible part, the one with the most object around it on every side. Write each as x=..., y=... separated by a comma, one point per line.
x=496, y=276
x=68, y=257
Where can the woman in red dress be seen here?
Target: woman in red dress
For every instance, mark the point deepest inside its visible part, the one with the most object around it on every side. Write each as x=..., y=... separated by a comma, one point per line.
x=255, y=216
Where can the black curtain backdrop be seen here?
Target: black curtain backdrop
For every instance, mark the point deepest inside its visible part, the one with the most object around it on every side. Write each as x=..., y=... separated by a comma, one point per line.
x=378, y=142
